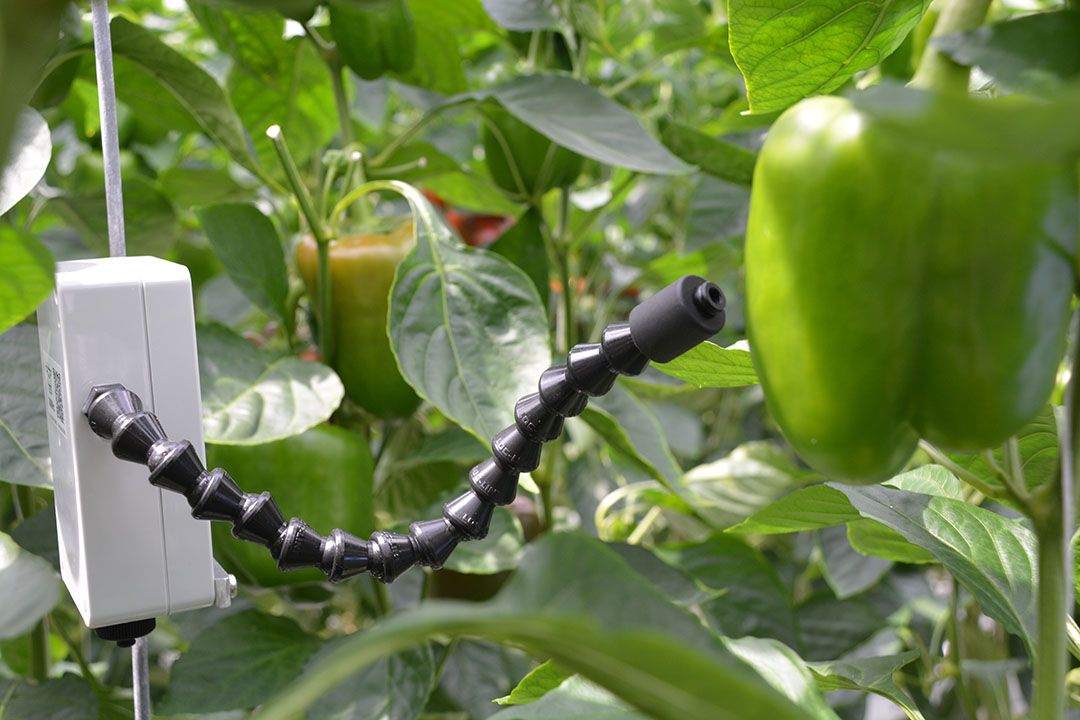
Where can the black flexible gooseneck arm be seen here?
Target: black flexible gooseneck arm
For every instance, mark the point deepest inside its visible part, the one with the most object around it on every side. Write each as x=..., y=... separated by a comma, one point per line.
x=672, y=321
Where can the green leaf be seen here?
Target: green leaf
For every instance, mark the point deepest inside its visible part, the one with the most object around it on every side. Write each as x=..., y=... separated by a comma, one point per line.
x=522, y=15
x=24, y=440
x=248, y=245
x=540, y=681
x=929, y=480
x=789, y=51
x=250, y=396
x=672, y=670
x=847, y=571
x=579, y=117
x=188, y=87
x=523, y=245
x=718, y=209
x=30, y=152
x=394, y=688
x=785, y=670
x=237, y=663
x=499, y=551
x=1036, y=53
x=29, y=588
x=299, y=99
x=709, y=365
x=438, y=65
x=716, y=157
x=1038, y=442
x=37, y=535
x=633, y=431
x=467, y=326
x=471, y=192
x=752, y=599
x=150, y=224
x=296, y=9
x=574, y=699
x=993, y=557
x=830, y=627
x=711, y=260
x=872, y=538
x=193, y=186
x=254, y=40
x=26, y=275
x=807, y=508
x=66, y=698
x=729, y=490
x=869, y=675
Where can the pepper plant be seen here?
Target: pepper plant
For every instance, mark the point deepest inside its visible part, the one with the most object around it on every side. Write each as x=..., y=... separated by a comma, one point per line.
x=857, y=502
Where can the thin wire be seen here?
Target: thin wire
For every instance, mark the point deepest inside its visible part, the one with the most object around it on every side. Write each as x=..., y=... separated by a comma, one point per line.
x=110, y=141
x=140, y=678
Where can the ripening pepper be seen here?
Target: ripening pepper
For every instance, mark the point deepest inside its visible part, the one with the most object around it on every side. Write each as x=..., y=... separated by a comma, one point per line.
x=361, y=271
x=323, y=475
x=900, y=289
x=541, y=164
x=374, y=37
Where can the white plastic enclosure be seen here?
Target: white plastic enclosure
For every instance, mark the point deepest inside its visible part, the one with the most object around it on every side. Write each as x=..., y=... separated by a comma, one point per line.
x=128, y=551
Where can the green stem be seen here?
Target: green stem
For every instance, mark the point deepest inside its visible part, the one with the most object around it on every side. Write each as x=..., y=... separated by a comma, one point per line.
x=341, y=100
x=562, y=246
x=318, y=229
x=39, y=636
x=936, y=70
x=955, y=657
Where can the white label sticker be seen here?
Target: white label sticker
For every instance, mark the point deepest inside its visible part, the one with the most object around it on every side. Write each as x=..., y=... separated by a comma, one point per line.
x=55, y=405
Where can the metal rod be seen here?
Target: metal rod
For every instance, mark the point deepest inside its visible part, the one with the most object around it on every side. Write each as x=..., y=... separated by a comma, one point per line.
x=110, y=141
x=140, y=678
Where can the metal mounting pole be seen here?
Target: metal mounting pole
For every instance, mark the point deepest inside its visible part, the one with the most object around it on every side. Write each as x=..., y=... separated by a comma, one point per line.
x=114, y=210
x=110, y=141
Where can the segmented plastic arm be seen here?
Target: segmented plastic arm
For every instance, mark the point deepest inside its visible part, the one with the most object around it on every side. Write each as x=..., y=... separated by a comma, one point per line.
x=677, y=318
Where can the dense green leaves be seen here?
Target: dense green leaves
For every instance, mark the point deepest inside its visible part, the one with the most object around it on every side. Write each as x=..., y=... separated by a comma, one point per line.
x=466, y=325
x=250, y=396
x=237, y=663
x=29, y=589
x=789, y=51
x=394, y=688
x=26, y=275
x=248, y=245
x=873, y=674
x=716, y=157
x=630, y=427
x=24, y=442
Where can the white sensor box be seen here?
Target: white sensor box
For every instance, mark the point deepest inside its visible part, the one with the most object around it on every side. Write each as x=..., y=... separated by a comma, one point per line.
x=128, y=551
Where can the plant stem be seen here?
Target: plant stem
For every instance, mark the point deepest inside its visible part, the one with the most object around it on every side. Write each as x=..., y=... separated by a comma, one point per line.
x=936, y=70
x=318, y=229
x=562, y=247
x=955, y=657
x=341, y=100
x=39, y=636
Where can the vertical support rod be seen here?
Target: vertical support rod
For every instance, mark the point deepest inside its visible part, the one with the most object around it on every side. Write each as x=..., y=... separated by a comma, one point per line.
x=140, y=678
x=110, y=141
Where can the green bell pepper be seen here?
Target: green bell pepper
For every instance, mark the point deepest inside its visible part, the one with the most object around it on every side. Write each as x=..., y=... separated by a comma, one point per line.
x=323, y=476
x=361, y=272
x=374, y=37
x=900, y=288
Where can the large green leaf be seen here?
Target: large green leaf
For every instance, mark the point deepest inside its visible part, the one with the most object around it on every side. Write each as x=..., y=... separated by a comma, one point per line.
x=28, y=35
x=709, y=365
x=24, y=441
x=29, y=588
x=237, y=663
x=150, y=224
x=299, y=98
x=187, y=86
x=467, y=326
x=579, y=117
x=296, y=9
x=830, y=628
x=248, y=246
x=993, y=557
x=541, y=680
x=1038, y=444
x=438, y=65
x=716, y=157
x=522, y=15
x=1033, y=53
x=729, y=490
x=869, y=675
x=751, y=598
x=251, y=396
x=787, y=51
x=785, y=670
x=30, y=152
x=499, y=551
x=254, y=40
x=648, y=652
x=807, y=508
x=394, y=688
x=847, y=571
x=69, y=697
x=632, y=430
x=26, y=275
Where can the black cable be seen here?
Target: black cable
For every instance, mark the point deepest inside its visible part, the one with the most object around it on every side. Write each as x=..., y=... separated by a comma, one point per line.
x=677, y=318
